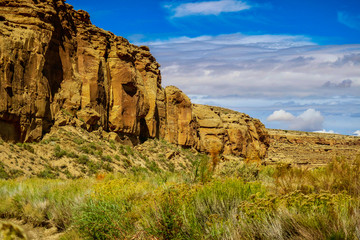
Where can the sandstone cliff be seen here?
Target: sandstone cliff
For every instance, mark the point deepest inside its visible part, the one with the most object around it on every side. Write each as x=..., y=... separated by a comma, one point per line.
x=56, y=68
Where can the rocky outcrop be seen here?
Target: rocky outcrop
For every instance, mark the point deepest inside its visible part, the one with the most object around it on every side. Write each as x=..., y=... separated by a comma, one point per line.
x=229, y=132
x=53, y=58
x=56, y=68
x=180, y=125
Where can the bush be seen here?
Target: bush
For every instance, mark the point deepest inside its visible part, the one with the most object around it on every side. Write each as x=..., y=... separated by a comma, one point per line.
x=104, y=220
x=48, y=173
x=42, y=202
x=113, y=209
x=83, y=159
x=273, y=202
x=202, y=169
x=166, y=220
x=59, y=153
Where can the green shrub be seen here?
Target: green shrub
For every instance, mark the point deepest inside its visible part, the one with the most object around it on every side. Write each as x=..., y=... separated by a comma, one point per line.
x=127, y=163
x=112, y=145
x=72, y=155
x=93, y=146
x=85, y=149
x=113, y=209
x=3, y=173
x=83, y=159
x=107, y=167
x=48, y=173
x=153, y=167
x=79, y=141
x=165, y=219
x=43, y=202
x=58, y=152
x=104, y=220
x=202, y=169
x=129, y=150
x=26, y=146
x=238, y=169
x=14, y=173
x=106, y=158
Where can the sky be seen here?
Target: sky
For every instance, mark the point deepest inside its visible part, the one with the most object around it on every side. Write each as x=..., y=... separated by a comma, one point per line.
x=294, y=65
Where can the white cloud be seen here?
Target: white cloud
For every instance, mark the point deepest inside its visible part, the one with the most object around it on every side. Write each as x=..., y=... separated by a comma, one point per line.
x=207, y=8
x=258, y=74
x=258, y=65
x=357, y=133
x=281, y=115
x=349, y=20
x=310, y=120
x=324, y=131
x=341, y=114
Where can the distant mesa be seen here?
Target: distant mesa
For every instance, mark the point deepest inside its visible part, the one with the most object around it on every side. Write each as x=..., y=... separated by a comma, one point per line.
x=58, y=69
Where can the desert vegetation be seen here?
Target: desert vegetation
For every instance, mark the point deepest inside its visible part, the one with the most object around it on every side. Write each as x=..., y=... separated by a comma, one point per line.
x=236, y=200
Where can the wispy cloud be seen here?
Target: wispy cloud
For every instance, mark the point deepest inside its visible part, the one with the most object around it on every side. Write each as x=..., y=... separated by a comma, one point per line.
x=350, y=20
x=260, y=74
x=310, y=120
x=357, y=133
x=253, y=65
x=207, y=7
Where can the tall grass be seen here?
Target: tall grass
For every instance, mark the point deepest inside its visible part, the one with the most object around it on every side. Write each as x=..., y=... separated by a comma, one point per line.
x=237, y=201
x=42, y=202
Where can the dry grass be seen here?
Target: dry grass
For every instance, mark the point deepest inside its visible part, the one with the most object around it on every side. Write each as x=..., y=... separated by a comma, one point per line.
x=110, y=191
x=242, y=202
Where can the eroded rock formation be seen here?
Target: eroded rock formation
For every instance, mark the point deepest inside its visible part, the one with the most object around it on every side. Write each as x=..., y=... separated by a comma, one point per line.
x=229, y=132
x=56, y=68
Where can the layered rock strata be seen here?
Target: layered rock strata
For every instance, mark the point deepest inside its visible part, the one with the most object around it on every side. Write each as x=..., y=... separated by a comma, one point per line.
x=310, y=149
x=56, y=68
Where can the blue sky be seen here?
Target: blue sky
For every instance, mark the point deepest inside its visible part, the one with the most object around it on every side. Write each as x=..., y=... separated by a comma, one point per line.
x=292, y=64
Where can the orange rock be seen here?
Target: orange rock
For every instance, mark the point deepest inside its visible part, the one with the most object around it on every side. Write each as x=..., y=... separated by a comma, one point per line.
x=56, y=68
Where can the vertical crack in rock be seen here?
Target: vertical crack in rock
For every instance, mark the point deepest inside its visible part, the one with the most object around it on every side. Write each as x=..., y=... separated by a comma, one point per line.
x=53, y=69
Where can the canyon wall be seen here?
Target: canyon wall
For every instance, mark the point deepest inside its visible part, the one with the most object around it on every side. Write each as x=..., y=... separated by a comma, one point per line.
x=56, y=68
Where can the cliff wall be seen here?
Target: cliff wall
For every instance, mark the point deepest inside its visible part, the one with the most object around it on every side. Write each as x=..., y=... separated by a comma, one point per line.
x=56, y=68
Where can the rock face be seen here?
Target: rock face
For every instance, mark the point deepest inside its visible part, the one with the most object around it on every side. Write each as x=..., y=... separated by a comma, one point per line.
x=56, y=68
x=229, y=132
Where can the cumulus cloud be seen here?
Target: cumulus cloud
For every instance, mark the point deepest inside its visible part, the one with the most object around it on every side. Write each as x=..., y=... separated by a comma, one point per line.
x=357, y=133
x=281, y=115
x=310, y=120
x=350, y=20
x=207, y=7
